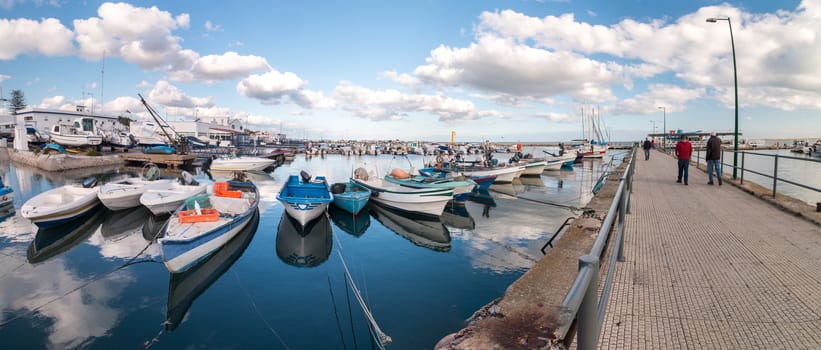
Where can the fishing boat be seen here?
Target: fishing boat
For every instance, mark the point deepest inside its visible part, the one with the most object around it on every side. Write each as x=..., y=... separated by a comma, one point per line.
x=503, y=173
x=483, y=182
x=165, y=199
x=55, y=240
x=304, y=246
x=5, y=193
x=305, y=198
x=423, y=231
x=73, y=135
x=459, y=184
x=205, y=223
x=125, y=193
x=185, y=287
x=534, y=166
x=61, y=204
x=425, y=201
x=241, y=163
x=350, y=197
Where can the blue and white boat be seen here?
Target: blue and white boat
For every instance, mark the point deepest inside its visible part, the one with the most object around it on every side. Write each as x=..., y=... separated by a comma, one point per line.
x=425, y=201
x=62, y=204
x=205, y=223
x=305, y=198
x=459, y=184
x=5, y=193
x=350, y=196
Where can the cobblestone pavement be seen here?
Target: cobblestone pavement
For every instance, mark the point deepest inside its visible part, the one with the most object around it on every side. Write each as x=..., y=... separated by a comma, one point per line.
x=712, y=267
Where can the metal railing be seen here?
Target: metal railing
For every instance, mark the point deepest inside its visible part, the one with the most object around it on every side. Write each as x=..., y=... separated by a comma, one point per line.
x=774, y=175
x=582, y=302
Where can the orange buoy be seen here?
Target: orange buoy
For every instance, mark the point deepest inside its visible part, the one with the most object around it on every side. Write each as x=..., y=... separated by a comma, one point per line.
x=399, y=174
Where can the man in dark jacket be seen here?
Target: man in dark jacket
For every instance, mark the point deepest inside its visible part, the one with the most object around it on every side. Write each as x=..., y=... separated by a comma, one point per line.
x=646, y=146
x=713, y=158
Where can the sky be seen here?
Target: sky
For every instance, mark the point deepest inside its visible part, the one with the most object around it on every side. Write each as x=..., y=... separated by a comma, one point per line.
x=505, y=71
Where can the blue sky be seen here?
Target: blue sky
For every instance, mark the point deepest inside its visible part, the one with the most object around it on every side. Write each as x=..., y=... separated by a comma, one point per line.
x=498, y=70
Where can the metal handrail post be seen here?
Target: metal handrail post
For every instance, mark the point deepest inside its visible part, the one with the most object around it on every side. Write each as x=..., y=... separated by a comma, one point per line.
x=588, y=335
x=622, y=213
x=775, y=173
x=742, y=167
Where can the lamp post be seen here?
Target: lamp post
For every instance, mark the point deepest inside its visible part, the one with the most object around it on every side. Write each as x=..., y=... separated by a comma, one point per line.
x=735, y=83
x=664, y=129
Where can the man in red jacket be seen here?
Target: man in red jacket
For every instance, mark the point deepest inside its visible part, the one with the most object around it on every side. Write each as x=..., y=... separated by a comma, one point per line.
x=683, y=151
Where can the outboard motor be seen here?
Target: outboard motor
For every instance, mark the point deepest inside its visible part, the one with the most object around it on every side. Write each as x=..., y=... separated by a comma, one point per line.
x=187, y=179
x=338, y=188
x=306, y=177
x=89, y=182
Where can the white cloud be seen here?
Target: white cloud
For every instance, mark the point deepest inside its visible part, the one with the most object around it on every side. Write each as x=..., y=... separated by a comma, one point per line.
x=274, y=87
x=24, y=36
x=170, y=96
x=557, y=117
x=673, y=98
x=229, y=65
x=404, y=79
x=4, y=77
x=393, y=105
x=52, y=102
x=498, y=64
x=211, y=27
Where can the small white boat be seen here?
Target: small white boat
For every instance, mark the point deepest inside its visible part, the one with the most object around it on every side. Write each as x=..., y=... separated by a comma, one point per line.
x=166, y=199
x=504, y=174
x=427, y=201
x=533, y=167
x=305, y=198
x=126, y=193
x=70, y=135
x=241, y=163
x=61, y=204
x=197, y=230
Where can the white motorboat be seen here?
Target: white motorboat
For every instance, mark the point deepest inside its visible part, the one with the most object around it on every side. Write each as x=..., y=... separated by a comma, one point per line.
x=61, y=204
x=503, y=174
x=533, y=167
x=197, y=230
x=126, y=193
x=71, y=135
x=241, y=163
x=427, y=201
x=166, y=199
x=423, y=231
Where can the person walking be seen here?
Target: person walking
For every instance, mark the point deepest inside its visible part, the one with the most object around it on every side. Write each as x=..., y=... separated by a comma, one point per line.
x=713, y=158
x=683, y=152
x=646, y=146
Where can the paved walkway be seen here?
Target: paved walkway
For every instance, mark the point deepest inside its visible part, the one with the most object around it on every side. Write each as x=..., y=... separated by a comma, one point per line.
x=709, y=267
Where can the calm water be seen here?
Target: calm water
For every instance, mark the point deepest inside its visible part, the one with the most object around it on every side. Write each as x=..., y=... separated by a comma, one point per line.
x=804, y=172
x=274, y=286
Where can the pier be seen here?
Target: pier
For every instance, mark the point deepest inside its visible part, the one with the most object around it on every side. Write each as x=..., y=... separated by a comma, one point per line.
x=712, y=267
x=704, y=266
x=170, y=160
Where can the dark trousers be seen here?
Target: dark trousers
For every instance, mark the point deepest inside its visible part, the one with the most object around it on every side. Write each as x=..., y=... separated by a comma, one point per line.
x=646, y=154
x=683, y=167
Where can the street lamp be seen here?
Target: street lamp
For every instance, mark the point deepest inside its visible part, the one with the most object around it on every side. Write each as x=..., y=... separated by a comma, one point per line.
x=664, y=129
x=735, y=82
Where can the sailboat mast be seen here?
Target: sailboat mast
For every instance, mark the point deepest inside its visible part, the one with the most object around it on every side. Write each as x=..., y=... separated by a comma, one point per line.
x=102, y=84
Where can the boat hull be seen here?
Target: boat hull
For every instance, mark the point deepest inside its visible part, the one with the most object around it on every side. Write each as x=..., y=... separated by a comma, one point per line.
x=179, y=256
x=166, y=200
x=503, y=174
x=126, y=194
x=305, y=201
x=352, y=201
x=77, y=141
x=240, y=164
x=421, y=201
x=59, y=205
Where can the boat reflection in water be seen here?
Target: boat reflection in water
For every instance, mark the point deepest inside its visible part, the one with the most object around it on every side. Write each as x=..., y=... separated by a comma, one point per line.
x=6, y=211
x=59, y=239
x=356, y=225
x=424, y=231
x=185, y=287
x=485, y=199
x=124, y=221
x=304, y=247
x=153, y=225
x=456, y=216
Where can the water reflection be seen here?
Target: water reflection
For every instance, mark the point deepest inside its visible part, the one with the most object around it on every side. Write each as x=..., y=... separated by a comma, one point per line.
x=304, y=247
x=185, y=287
x=153, y=225
x=424, y=231
x=124, y=221
x=457, y=216
x=6, y=211
x=485, y=199
x=355, y=225
x=53, y=241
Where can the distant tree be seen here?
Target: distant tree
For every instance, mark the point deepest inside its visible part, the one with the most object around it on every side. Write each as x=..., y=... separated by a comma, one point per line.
x=17, y=102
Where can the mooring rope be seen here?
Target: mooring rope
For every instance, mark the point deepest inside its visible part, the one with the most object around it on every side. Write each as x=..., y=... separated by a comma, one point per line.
x=382, y=338
x=336, y=314
x=256, y=309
